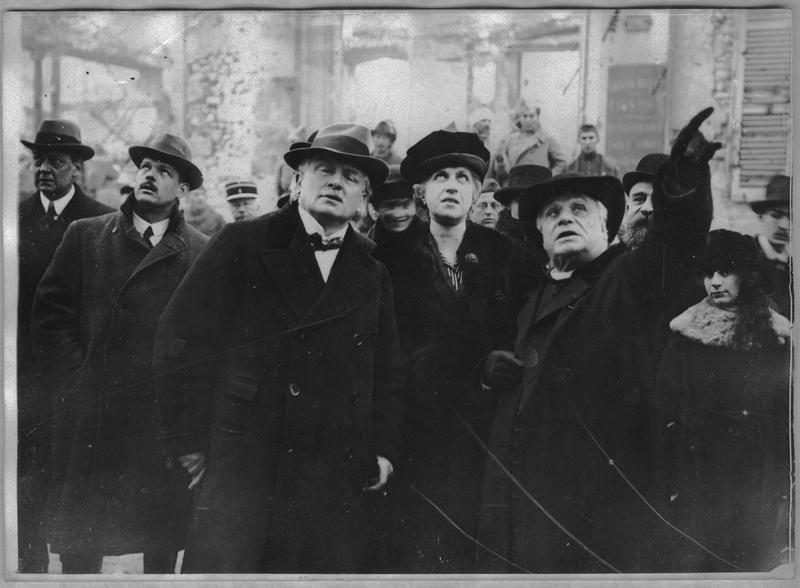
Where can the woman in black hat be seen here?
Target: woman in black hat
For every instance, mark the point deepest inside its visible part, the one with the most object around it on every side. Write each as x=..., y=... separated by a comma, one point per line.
x=723, y=392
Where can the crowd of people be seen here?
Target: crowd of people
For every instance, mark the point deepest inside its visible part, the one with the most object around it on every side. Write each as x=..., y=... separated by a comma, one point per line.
x=464, y=360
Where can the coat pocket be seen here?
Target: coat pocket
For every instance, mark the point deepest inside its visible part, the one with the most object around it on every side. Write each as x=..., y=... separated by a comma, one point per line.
x=235, y=399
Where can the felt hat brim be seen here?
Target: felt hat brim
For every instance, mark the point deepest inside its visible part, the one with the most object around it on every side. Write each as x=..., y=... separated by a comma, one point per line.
x=189, y=171
x=83, y=151
x=374, y=167
x=605, y=189
x=761, y=206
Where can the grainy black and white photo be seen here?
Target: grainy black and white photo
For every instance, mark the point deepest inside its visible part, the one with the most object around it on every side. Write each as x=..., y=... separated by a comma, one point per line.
x=466, y=293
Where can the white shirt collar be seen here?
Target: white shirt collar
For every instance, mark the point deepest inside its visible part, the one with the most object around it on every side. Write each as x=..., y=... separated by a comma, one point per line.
x=61, y=203
x=159, y=227
x=769, y=250
x=311, y=225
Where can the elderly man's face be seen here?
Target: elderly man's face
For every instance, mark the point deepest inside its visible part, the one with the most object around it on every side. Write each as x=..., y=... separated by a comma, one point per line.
x=449, y=194
x=331, y=190
x=53, y=172
x=638, y=214
x=243, y=208
x=158, y=184
x=382, y=142
x=396, y=213
x=529, y=121
x=486, y=210
x=776, y=226
x=573, y=228
x=588, y=141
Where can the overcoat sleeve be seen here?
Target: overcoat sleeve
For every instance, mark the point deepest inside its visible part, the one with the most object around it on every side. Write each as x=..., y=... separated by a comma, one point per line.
x=680, y=225
x=389, y=384
x=189, y=344
x=55, y=319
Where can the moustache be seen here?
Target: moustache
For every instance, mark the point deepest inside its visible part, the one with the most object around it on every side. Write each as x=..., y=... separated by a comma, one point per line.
x=147, y=186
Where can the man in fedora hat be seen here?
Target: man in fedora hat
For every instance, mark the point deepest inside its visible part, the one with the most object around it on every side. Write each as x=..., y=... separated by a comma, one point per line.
x=773, y=239
x=527, y=144
x=94, y=322
x=638, y=186
x=589, y=162
x=570, y=462
x=242, y=197
x=284, y=401
x=458, y=287
x=58, y=156
x=383, y=137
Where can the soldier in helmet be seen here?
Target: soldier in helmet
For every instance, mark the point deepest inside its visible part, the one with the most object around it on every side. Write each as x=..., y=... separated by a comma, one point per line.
x=383, y=137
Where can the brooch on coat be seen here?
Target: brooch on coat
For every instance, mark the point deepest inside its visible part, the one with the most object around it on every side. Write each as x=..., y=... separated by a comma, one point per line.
x=471, y=258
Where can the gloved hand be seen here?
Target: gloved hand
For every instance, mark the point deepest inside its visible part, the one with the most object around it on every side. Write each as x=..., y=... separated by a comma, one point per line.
x=501, y=370
x=689, y=158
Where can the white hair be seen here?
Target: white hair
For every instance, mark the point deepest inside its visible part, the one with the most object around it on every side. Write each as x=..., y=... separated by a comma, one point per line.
x=601, y=208
x=301, y=169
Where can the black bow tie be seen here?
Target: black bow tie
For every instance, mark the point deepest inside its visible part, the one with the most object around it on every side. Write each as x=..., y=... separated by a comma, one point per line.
x=318, y=244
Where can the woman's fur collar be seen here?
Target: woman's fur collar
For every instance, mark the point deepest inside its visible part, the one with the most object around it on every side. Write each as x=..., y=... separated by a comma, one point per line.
x=708, y=325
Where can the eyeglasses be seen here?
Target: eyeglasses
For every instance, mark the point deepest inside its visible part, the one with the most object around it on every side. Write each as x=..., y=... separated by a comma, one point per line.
x=493, y=205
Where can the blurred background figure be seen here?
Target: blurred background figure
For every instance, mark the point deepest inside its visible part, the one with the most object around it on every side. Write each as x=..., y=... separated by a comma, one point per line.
x=200, y=215
x=284, y=174
x=486, y=210
x=394, y=206
x=589, y=162
x=480, y=123
x=773, y=241
x=528, y=144
x=724, y=391
x=383, y=137
x=242, y=197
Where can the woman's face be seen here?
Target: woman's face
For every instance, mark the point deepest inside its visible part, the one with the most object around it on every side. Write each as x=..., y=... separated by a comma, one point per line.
x=722, y=289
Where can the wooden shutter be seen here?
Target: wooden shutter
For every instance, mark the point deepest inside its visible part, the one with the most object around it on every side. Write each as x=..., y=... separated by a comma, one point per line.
x=764, y=148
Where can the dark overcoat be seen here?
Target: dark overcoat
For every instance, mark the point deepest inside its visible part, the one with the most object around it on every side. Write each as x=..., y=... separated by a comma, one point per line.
x=38, y=239
x=445, y=335
x=567, y=489
x=725, y=421
x=94, y=322
x=290, y=386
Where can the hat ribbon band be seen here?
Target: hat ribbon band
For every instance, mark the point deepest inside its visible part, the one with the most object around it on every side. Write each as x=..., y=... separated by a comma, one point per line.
x=348, y=145
x=54, y=138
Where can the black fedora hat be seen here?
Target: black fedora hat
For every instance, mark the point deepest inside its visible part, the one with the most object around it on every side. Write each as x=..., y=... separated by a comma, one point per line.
x=604, y=189
x=444, y=149
x=645, y=170
x=173, y=150
x=396, y=187
x=777, y=194
x=520, y=177
x=347, y=141
x=59, y=135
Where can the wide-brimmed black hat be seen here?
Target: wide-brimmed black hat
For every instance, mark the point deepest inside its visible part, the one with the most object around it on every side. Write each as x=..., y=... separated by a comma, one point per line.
x=394, y=188
x=645, y=170
x=59, y=135
x=347, y=141
x=731, y=252
x=444, y=149
x=519, y=178
x=173, y=150
x=605, y=189
x=778, y=194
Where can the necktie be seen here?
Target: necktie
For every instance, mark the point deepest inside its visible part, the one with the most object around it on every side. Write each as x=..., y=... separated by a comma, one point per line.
x=51, y=211
x=318, y=244
x=148, y=232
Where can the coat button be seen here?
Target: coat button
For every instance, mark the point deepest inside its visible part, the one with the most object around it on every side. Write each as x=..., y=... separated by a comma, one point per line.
x=294, y=389
x=357, y=339
x=349, y=453
x=302, y=335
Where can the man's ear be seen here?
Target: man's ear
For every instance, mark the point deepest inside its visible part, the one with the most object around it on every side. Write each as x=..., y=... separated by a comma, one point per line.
x=183, y=188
